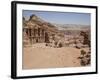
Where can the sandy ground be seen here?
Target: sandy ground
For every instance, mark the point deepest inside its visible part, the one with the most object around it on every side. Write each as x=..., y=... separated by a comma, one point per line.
x=39, y=56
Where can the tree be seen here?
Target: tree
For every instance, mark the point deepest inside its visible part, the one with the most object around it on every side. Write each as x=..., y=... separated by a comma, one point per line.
x=86, y=40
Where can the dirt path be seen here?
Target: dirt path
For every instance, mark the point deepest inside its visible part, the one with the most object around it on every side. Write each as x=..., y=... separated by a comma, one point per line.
x=50, y=57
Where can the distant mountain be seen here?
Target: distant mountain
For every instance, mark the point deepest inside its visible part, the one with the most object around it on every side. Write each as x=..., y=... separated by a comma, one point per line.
x=72, y=27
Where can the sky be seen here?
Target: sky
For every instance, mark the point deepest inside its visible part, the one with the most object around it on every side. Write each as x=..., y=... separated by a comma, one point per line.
x=60, y=17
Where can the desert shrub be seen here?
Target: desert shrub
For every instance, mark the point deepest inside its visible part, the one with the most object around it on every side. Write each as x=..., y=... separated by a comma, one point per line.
x=80, y=57
x=55, y=43
x=89, y=61
x=46, y=44
x=85, y=58
x=60, y=45
x=83, y=52
x=88, y=56
x=86, y=40
x=83, y=63
x=77, y=47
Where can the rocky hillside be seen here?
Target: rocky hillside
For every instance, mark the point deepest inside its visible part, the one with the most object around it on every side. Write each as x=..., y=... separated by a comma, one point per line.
x=36, y=21
x=72, y=27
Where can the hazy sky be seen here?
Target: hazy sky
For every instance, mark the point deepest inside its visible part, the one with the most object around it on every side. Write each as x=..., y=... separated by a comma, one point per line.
x=61, y=17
